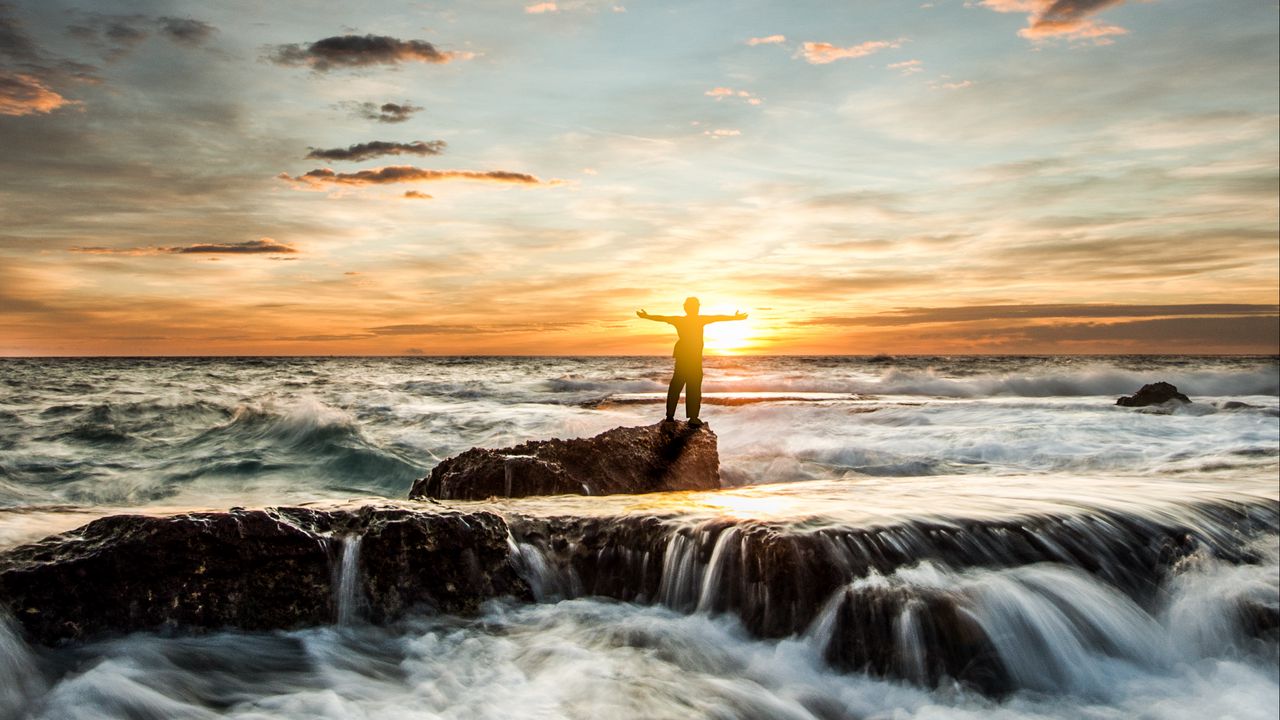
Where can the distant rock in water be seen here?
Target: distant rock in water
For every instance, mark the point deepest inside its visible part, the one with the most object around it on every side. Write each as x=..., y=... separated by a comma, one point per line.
x=624, y=460
x=1153, y=394
x=1239, y=405
x=254, y=570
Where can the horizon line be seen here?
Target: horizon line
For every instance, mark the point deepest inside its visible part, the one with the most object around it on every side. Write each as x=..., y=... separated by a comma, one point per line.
x=632, y=355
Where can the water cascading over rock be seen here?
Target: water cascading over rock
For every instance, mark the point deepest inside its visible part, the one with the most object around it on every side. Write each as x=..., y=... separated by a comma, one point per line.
x=860, y=597
x=995, y=603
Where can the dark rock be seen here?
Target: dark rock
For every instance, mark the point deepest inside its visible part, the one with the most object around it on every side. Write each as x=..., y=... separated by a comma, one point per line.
x=652, y=458
x=251, y=569
x=1153, y=394
x=867, y=635
x=1237, y=405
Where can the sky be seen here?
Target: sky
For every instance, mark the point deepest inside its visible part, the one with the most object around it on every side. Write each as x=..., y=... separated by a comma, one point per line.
x=505, y=177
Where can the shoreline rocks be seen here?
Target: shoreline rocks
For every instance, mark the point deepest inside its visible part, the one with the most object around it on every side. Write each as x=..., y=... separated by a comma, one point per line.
x=286, y=568
x=1156, y=393
x=252, y=570
x=626, y=460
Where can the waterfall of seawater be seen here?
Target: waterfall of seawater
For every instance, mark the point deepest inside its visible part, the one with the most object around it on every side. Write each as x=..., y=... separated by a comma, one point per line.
x=347, y=599
x=1045, y=603
x=19, y=679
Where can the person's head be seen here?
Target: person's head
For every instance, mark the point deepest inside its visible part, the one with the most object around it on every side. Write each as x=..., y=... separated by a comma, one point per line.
x=691, y=306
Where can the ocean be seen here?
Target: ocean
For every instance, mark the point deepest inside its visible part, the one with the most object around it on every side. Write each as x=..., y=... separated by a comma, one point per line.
x=830, y=445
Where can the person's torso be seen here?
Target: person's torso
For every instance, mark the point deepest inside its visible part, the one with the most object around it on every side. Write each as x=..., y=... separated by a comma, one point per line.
x=689, y=329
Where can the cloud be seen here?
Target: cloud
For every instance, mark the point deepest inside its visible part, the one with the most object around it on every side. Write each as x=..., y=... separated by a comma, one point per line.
x=977, y=313
x=907, y=67
x=408, y=173
x=1253, y=333
x=384, y=113
x=441, y=329
x=821, y=53
x=378, y=148
x=350, y=51
x=720, y=93
x=22, y=94
x=721, y=133
x=1061, y=18
x=186, y=31
x=540, y=8
x=114, y=35
x=27, y=59
x=15, y=43
x=415, y=195
x=262, y=246
x=117, y=35
x=945, y=84
x=767, y=40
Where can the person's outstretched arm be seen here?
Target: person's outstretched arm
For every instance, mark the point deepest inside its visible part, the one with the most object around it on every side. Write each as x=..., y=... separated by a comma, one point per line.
x=659, y=318
x=722, y=318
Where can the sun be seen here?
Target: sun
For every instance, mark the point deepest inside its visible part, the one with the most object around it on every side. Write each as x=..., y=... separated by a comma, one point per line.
x=729, y=338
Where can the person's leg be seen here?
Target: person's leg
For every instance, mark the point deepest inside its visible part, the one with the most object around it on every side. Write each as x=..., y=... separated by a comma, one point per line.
x=673, y=392
x=693, y=395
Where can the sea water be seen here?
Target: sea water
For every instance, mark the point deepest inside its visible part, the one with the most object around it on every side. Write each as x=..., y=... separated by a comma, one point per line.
x=827, y=441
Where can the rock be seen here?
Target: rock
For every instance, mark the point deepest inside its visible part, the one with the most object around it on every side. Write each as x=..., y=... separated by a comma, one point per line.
x=652, y=458
x=1153, y=394
x=1238, y=405
x=251, y=569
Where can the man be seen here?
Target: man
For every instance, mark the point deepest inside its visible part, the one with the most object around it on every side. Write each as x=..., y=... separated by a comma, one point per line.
x=688, y=355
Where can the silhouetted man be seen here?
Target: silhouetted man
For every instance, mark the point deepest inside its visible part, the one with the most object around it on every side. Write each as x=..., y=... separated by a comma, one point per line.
x=688, y=355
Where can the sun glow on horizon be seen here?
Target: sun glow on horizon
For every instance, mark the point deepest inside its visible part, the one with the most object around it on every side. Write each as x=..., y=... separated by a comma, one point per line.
x=730, y=338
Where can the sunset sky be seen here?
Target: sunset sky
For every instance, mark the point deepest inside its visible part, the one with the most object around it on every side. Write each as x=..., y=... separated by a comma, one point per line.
x=489, y=176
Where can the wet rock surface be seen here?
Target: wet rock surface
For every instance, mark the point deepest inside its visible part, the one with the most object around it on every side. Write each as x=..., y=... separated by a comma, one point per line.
x=1153, y=394
x=898, y=600
x=652, y=458
x=251, y=569
x=781, y=582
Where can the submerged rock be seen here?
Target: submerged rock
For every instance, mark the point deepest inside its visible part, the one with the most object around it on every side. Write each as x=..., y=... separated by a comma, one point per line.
x=1153, y=394
x=1239, y=405
x=652, y=458
x=252, y=569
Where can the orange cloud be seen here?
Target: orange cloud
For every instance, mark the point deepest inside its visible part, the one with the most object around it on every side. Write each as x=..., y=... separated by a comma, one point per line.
x=542, y=7
x=821, y=53
x=415, y=195
x=22, y=94
x=720, y=93
x=408, y=173
x=1071, y=19
x=767, y=40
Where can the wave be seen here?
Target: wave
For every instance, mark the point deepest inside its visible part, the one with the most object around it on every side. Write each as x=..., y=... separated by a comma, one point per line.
x=1090, y=381
x=143, y=452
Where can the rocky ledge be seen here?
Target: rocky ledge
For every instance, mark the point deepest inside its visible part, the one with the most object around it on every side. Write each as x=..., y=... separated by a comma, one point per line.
x=253, y=569
x=626, y=460
x=839, y=587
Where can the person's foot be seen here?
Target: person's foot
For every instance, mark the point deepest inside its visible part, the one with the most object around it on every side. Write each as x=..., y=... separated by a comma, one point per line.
x=695, y=422
x=668, y=419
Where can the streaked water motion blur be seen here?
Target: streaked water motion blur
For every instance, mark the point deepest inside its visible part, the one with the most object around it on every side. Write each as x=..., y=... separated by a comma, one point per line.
x=823, y=445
